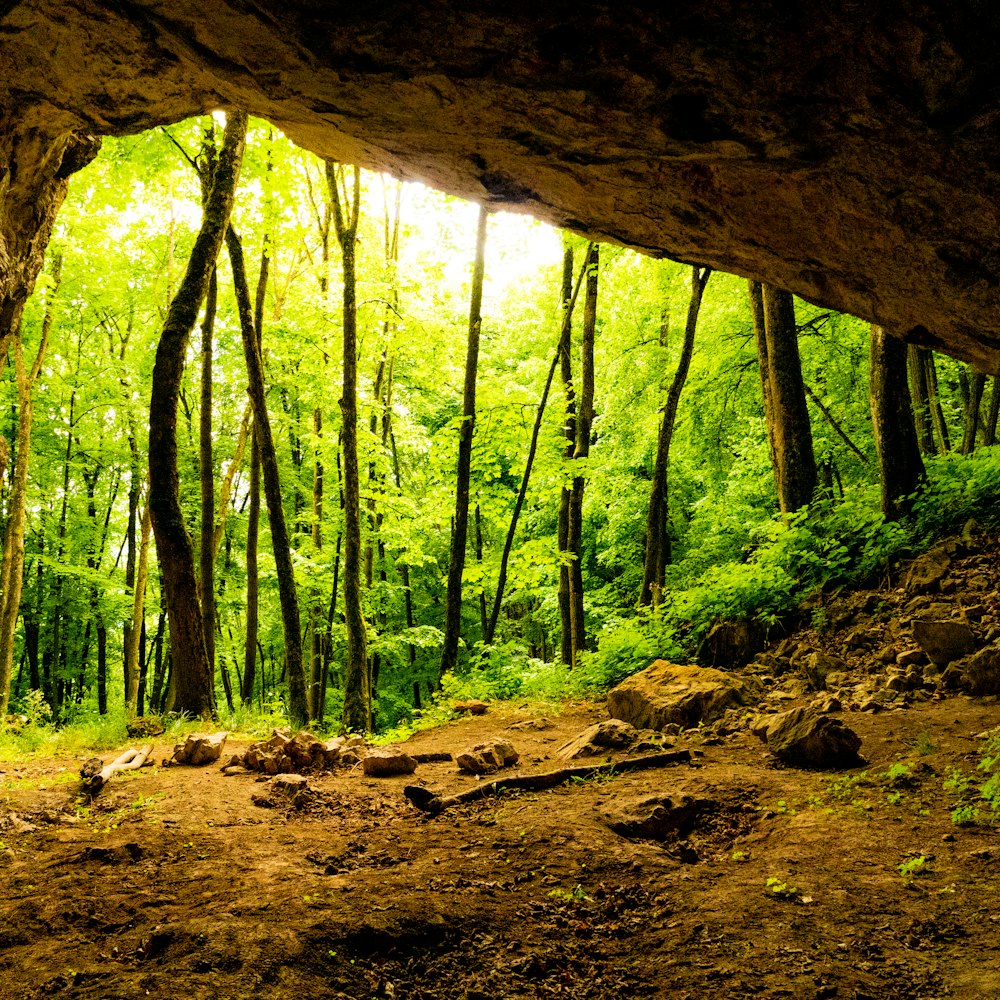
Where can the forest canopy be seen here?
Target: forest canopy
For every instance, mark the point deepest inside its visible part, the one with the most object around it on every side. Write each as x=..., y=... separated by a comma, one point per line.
x=650, y=447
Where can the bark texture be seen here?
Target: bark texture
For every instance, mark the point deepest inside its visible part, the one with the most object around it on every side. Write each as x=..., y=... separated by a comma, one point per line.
x=896, y=441
x=192, y=675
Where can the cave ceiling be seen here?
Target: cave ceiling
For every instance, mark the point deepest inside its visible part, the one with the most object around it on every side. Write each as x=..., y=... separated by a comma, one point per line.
x=845, y=151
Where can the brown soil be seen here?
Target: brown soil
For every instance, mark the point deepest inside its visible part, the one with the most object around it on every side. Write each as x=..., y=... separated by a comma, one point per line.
x=174, y=884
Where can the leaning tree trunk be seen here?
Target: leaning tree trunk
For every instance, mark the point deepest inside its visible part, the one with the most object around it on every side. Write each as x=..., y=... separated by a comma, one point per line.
x=892, y=419
x=191, y=669
x=785, y=404
x=934, y=399
x=456, y=565
x=298, y=708
x=657, y=534
x=357, y=716
x=584, y=421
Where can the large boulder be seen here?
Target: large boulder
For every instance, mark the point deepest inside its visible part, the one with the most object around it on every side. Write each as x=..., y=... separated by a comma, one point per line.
x=387, y=762
x=944, y=641
x=200, y=748
x=801, y=738
x=679, y=694
x=980, y=671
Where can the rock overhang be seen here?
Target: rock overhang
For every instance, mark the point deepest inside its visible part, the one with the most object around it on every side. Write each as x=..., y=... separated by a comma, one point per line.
x=848, y=154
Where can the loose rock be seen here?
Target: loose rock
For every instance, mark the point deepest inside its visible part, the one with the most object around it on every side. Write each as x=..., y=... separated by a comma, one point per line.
x=684, y=695
x=802, y=738
x=944, y=641
x=485, y=758
x=387, y=762
x=612, y=734
x=200, y=748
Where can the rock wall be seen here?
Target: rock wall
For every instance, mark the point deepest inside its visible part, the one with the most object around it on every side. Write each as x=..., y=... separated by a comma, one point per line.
x=844, y=151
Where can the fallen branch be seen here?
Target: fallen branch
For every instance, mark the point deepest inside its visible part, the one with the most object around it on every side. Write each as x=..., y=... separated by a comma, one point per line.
x=95, y=774
x=430, y=802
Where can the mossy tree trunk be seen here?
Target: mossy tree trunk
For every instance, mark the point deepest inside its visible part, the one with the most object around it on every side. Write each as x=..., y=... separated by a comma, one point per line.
x=192, y=675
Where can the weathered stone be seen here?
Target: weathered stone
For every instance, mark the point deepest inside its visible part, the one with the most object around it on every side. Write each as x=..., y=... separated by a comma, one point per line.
x=908, y=656
x=536, y=724
x=826, y=703
x=231, y=770
x=472, y=707
x=731, y=643
x=200, y=748
x=927, y=571
x=818, y=665
x=944, y=641
x=980, y=671
x=484, y=758
x=387, y=762
x=801, y=738
x=612, y=734
x=684, y=695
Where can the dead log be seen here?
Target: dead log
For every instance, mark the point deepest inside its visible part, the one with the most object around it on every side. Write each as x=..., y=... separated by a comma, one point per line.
x=95, y=774
x=430, y=802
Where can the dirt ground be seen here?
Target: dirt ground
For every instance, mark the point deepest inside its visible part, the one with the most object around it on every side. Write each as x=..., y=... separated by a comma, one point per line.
x=174, y=884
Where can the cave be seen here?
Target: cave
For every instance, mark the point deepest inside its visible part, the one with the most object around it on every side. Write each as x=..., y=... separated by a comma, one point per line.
x=846, y=154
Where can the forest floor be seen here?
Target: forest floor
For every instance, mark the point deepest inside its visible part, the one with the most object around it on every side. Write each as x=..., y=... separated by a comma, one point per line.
x=774, y=882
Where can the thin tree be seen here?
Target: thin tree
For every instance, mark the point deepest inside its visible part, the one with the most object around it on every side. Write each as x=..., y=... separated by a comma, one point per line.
x=11, y=569
x=491, y=625
x=581, y=451
x=920, y=395
x=896, y=441
x=298, y=708
x=657, y=555
x=357, y=716
x=192, y=675
x=456, y=565
x=569, y=430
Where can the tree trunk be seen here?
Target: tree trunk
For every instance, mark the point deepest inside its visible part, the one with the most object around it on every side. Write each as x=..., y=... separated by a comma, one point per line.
x=977, y=385
x=192, y=672
x=138, y=615
x=490, y=630
x=920, y=394
x=892, y=420
x=934, y=399
x=584, y=421
x=990, y=431
x=569, y=429
x=11, y=569
x=456, y=565
x=207, y=477
x=297, y=705
x=657, y=520
x=785, y=399
x=357, y=716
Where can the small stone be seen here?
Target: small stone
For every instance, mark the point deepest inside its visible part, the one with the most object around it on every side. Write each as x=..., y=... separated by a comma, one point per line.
x=912, y=655
x=612, y=734
x=233, y=769
x=472, y=707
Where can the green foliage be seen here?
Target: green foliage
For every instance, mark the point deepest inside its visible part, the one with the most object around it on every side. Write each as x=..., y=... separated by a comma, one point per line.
x=915, y=866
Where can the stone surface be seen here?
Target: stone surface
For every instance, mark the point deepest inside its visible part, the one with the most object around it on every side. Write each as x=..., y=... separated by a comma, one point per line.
x=756, y=141
x=944, y=641
x=684, y=695
x=927, y=571
x=200, y=748
x=485, y=758
x=980, y=671
x=387, y=762
x=818, y=666
x=472, y=707
x=611, y=734
x=802, y=738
